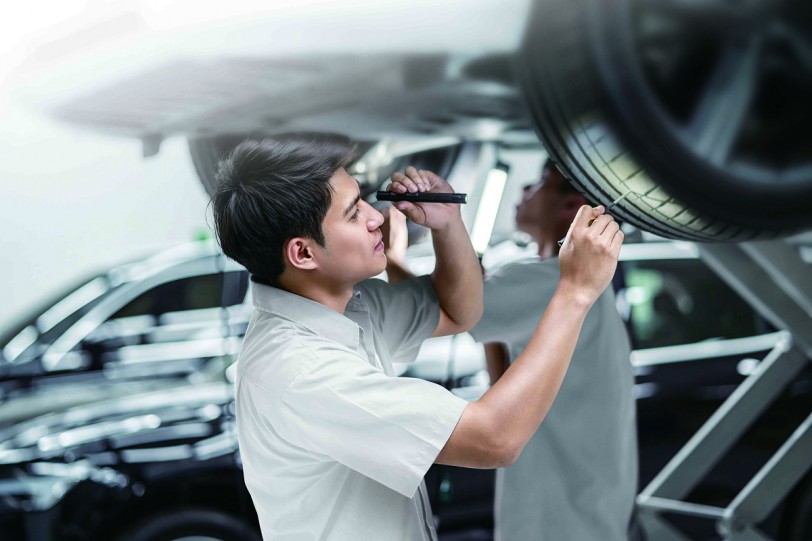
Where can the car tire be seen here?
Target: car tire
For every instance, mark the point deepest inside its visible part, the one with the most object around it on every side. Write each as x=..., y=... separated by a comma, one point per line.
x=590, y=73
x=209, y=525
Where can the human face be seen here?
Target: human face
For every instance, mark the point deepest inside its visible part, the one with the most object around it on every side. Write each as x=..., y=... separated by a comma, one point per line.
x=539, y=210
x=353, y=248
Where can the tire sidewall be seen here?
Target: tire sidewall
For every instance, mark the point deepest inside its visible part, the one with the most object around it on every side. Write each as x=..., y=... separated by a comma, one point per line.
x=169, y=526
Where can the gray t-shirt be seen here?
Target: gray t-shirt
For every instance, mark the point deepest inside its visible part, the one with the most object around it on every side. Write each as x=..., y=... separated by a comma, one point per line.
x=577, y=477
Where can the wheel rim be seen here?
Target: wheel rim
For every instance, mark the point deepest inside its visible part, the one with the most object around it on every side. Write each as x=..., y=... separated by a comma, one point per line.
x=700, y=88
x=742, y=73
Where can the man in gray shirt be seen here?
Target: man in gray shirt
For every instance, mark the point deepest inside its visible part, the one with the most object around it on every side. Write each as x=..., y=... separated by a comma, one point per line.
x=577, y=477
x=334, y=446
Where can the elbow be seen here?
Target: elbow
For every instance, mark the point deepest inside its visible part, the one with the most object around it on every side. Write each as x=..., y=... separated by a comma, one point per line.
x=508, y=456
x=471, y=318
x=482, y=441
x=461, y=321
x=476, y=315
x=503, y=451
x=501, y=442
x=478, y=310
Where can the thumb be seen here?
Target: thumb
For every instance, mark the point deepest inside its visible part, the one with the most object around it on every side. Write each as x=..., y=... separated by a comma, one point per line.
x=412, y=211
x=403, y=206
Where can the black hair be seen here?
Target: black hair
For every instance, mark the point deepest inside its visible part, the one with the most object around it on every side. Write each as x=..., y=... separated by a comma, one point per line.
x=566, y=185
x=272, y=190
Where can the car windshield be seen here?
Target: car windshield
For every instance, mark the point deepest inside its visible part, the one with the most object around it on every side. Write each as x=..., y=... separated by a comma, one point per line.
x=25, y=339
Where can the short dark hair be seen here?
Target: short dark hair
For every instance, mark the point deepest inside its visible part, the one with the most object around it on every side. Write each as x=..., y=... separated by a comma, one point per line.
x=272, y=190
x=566, y=185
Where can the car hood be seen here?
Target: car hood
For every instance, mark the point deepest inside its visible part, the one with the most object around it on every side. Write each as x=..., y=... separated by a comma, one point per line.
x=170, y=424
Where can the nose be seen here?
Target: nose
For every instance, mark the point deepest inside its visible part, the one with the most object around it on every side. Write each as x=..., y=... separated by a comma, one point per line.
x=375, y=219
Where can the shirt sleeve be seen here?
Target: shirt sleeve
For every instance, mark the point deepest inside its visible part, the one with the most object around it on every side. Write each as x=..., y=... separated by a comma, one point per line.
x=403, y=314
x=389, y=429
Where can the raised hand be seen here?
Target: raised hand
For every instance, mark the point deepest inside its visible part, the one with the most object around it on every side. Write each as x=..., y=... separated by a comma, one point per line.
x=588, y=256
x=435, y=216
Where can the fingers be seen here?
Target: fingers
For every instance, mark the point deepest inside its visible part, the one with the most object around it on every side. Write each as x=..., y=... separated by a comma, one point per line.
x=425, y=179
x=412, y=181
x=601, y=224
x=617, y=242
x=433, y=179
x=435, y=216
x=586, y=215
x=592, y=223
x=583, y=219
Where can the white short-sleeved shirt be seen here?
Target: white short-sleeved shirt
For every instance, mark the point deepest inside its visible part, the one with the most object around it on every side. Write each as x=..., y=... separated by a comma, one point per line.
x=334, y=446
x=576, y=479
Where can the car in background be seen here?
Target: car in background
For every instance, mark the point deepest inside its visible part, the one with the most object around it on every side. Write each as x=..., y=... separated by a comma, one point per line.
x=156, y=322
x=164, y=463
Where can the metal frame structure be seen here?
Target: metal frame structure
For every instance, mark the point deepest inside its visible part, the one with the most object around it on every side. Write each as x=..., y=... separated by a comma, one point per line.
x=771, y=276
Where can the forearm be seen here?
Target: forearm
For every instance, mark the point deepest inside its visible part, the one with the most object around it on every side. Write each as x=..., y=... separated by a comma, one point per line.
x=493, y=431
x=457, y=278
x=520, y=400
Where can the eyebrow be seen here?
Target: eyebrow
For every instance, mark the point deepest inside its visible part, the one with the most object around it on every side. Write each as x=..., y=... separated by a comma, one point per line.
x=351, y=205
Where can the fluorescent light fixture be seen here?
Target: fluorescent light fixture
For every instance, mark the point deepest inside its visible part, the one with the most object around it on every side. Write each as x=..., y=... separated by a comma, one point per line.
x=488, y=207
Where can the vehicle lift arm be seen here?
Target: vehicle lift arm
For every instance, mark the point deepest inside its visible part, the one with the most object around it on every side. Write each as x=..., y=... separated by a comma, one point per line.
x=773, y=278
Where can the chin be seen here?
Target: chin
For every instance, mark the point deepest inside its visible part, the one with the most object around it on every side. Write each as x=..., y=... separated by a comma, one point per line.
x=375, y=270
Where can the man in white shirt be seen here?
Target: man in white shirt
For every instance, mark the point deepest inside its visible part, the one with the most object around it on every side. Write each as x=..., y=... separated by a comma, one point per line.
x=334, y=446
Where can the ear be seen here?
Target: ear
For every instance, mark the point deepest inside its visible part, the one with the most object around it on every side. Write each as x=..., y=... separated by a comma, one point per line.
x=572, y=202
x=300, y=254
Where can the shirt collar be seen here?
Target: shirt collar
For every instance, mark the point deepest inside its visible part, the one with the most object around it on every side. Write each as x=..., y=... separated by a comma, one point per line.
x=311, y=314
